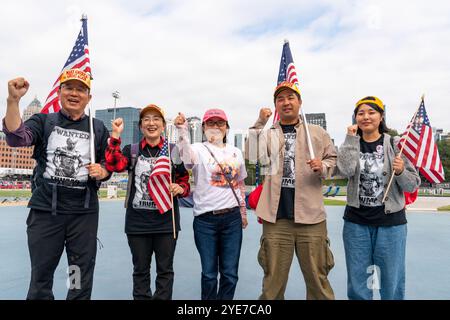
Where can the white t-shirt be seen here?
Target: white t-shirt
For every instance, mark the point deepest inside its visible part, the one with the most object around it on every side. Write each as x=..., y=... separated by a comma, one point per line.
x=212, y=191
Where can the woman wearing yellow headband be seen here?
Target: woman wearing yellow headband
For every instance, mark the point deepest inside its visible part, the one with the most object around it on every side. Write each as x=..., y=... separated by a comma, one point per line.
x=374, y=232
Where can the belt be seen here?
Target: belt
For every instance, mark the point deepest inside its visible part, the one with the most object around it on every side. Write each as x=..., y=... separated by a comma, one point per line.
x=222, y=211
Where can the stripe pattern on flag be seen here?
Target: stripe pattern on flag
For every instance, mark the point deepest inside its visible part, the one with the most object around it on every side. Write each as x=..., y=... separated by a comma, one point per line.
x=287, y=72
x=78, y=59
x=159, y=181
x=420, y=147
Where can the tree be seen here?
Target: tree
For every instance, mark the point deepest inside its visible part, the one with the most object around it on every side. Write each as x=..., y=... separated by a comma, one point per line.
x=393, y=132
x=251, y=173
x=444, y=153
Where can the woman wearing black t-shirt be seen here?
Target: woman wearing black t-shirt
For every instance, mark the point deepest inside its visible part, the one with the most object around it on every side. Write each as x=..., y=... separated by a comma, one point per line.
x=374, y=232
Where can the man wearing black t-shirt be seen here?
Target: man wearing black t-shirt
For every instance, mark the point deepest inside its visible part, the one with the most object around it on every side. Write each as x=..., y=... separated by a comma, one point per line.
x=64, y=203
x=291, y=203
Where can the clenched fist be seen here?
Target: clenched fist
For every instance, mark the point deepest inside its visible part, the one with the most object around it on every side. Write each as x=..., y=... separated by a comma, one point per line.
x=176, y=189
x=352, y=130
x=398, y=165
x=117, y=128
x=264, y=114
x=17, y=88
x=96, y=171
x=179, y=120
x=316, y=165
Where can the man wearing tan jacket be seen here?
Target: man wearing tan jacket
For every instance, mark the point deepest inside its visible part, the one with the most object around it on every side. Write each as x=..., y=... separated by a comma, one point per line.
x=291, y=204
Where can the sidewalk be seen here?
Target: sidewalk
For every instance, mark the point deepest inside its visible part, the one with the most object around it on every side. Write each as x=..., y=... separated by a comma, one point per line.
x=421, y=204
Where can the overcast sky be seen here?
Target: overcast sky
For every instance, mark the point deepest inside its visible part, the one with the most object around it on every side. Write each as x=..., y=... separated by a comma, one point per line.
x=193, y=55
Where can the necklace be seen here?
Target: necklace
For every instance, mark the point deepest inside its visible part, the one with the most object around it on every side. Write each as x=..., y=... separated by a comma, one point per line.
x=151, y=153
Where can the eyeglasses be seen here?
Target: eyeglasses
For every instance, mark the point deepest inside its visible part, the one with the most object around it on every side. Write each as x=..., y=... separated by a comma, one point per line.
x=219, y=123
x=154, y=119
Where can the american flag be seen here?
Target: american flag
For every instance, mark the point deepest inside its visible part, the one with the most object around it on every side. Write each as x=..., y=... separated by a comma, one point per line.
x=78, y=59
x=287, y=71
x=159, y=181
x=420, y=147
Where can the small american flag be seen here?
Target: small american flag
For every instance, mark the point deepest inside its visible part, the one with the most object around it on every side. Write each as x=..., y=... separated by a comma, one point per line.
x=287, y=71
x=78, y=59
x=420, y=147
x=159, y=181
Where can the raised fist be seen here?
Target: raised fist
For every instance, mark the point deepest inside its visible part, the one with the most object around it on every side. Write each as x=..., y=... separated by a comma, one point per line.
x=17, y=88
x=264, y=114
x=179, y=120
x=117, y=127
x=352, y=130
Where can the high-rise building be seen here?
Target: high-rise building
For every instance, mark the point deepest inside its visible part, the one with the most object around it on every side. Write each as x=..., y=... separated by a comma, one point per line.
x=171, y=131
x=239, y=141
x=195, y=129
x=438, y=133
x=34, y=107
x=317, y=118
x=15, y=161
x=131, y=132
x=18, y=161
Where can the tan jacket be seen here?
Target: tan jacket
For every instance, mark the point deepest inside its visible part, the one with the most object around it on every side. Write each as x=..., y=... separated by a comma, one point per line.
x=308, y=203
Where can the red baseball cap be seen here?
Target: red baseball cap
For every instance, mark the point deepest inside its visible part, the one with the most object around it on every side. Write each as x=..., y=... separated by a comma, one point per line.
x=215, y=113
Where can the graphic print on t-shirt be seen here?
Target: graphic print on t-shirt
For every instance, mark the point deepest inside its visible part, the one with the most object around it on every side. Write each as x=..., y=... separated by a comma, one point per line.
x=231, y=169
x=143, y=169
x=288, y=180
x=67, y=156
x=371, y=178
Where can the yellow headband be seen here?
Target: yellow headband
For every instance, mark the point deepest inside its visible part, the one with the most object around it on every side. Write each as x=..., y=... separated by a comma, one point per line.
x=370, y=100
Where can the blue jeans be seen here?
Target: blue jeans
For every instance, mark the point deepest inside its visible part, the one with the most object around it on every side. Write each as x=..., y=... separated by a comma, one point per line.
x=218, y=239
x=375, y=251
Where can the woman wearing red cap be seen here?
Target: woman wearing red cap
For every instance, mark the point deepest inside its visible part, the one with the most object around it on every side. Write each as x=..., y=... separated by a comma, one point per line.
x=219, y=202
x=374, y=231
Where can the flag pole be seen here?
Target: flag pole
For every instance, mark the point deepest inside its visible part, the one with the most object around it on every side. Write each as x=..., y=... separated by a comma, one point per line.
x=91, y=135
x=91, y=117
x=171, y=194
x=402, y=148
x=308, y=135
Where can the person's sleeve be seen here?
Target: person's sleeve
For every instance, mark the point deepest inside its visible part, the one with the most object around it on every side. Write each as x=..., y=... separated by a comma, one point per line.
x=348, y=156
x=115, y=160
x=28, y=134
x=243, y=205
x=242, y=169
x=182, y=179
x=329, y=156
x=241, y=186
x=103, y=146
x=187, y=154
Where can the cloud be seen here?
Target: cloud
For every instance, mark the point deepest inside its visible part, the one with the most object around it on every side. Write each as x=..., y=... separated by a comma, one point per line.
x=192, y=55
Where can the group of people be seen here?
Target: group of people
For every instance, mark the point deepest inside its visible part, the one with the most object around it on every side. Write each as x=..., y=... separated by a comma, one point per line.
x=64, y=206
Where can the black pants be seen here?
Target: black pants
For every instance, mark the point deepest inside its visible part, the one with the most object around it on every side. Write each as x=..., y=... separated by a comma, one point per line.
x=142, y=248
x=47, y=236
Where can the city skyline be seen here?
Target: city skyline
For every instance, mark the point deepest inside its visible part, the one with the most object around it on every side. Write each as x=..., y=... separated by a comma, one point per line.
x=312, y=118
x=343, y=50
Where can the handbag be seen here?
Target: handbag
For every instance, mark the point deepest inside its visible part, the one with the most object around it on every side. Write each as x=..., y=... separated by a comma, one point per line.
x=253, y=197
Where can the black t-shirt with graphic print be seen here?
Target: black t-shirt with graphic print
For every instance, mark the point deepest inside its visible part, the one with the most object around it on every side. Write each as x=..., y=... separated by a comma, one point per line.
x=287, y=194
x=61, y=172
x=371, y=189
x=142, y=216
